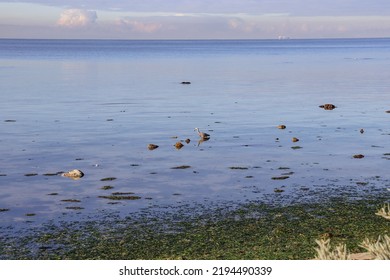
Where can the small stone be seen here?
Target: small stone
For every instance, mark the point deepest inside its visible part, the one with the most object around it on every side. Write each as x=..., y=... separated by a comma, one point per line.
x=30, y=174
x=187, y=141
x=152, y=147
x=361, y=130
x=179, y=145
x=74, y=174
x=358, y=156
x=281, y=126
x=294, y=139
x=328, y=106
x=280, y=178
x=181, y=167
x=185, y=83
x=108, y=179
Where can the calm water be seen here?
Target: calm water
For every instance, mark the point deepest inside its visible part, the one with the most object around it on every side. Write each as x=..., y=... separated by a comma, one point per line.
x=96, y=105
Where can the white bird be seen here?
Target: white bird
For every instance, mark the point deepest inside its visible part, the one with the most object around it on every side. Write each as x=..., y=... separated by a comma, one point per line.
x=202, y=135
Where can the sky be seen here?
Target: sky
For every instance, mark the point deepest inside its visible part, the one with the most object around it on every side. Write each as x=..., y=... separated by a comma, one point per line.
x=194, y=19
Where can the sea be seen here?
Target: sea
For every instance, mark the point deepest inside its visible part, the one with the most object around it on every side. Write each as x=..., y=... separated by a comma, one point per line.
x=96, y=105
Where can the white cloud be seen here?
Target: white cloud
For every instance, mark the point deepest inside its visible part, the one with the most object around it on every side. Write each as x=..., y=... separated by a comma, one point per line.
x=140, y=26
x=77, y=17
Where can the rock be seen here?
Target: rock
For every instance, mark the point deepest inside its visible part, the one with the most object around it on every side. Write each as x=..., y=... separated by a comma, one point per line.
x=152, y=146
x=281, y=126
x=181, y=167
x=361, y=130
x=75, y=174
x=188, y=141
x=358, y=156
x=294, y=139
x=280, y=178
x=185, y=83
x=178, y=145
x=328, y=106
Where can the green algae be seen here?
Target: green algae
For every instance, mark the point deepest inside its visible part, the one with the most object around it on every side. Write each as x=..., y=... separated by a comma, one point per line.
x=252, y=231
x=120, y=197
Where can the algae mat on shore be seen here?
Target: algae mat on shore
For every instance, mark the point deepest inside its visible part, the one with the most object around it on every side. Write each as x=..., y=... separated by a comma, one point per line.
x=253, y=231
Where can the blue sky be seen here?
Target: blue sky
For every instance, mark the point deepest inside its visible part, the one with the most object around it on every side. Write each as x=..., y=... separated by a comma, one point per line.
x=194, y=19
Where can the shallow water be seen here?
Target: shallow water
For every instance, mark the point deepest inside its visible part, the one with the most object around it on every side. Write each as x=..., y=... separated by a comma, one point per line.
x=96, y=105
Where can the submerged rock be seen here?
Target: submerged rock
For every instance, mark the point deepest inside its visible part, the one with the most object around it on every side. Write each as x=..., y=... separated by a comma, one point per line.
x=185, y=83
x=280, y=178
x=358, y=156
x=74, y=174
x=179, y=145
x=152, y=147
x=328, y=106
x=181, y=167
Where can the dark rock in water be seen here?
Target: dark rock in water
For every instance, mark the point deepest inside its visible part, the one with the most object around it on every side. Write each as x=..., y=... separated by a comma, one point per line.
x=185, y=83
x=181, y=167
x=282, y=126
x=4, y=209
x=108, y=179
x=280, y=178
x=388, y=111
x=294, y=139
x=328, y=106
x=361, y=130
x=107, y=187
x=188, y=141
x=238, y=168
x=358, y=156
x=152, y=147
x=278, y=190
x=179, y=145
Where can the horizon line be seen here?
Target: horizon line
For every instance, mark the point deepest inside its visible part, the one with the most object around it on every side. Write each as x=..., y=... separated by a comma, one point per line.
x=197, y=39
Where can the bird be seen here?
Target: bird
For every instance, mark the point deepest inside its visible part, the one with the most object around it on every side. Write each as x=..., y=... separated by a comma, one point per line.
x=202, y=135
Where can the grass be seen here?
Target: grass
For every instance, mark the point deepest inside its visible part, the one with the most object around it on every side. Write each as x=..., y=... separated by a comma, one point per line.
x=326, y=252
x=384, y=211
x=254, y=231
